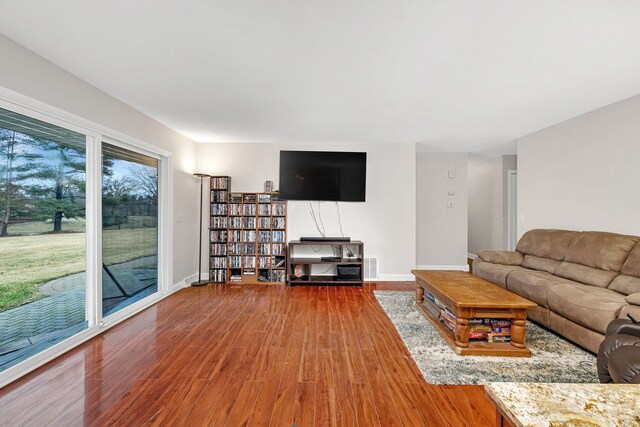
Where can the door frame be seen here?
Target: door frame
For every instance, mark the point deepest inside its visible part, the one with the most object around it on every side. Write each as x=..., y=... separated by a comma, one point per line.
x=512, y=209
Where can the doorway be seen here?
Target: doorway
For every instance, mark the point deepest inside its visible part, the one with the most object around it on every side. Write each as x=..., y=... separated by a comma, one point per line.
x=512, y=209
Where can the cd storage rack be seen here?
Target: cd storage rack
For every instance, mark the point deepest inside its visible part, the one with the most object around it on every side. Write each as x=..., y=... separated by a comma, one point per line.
x=248, y=238
x=257, y=238
x=218, y=228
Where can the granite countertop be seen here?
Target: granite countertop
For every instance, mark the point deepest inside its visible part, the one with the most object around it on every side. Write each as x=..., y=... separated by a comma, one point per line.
x=568, y=405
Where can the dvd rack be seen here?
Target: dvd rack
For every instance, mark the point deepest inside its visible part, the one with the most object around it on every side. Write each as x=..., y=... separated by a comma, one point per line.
x=218, y=228
x=247, y=235
x=256, y=238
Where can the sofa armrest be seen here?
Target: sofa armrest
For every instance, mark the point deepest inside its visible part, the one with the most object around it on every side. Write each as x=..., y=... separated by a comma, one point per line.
x=623, y=326
x=633, y=299
x=502, y=257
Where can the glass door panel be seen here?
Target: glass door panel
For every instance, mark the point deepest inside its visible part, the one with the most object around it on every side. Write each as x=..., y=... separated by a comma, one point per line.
x=129, y=227
x=42, y=236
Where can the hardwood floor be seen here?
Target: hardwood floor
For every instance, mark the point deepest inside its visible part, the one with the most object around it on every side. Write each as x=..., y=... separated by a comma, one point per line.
x=246, y=355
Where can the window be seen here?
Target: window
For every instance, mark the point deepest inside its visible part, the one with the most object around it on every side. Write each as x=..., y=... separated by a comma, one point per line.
x=42, y=236
x=82, y=226
x=129, y=227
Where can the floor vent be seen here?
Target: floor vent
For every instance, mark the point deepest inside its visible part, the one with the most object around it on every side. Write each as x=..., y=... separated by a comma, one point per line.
x=371, y=268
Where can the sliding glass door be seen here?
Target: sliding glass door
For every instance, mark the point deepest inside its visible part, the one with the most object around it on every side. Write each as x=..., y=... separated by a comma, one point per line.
x=81, y=225
x=129, y=227
x=42, y=236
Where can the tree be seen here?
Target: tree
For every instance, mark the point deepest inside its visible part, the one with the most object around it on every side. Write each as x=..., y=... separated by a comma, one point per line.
x=118, y=187
x=146, y=178
x=9, y=143
x=116, y=195
x=14, y=203
x=58, y=175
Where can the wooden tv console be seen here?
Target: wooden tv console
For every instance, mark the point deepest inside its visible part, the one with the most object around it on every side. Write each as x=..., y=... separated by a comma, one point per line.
x=306, y=262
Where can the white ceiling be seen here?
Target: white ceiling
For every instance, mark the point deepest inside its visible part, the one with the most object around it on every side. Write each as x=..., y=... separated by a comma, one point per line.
x=465, y=75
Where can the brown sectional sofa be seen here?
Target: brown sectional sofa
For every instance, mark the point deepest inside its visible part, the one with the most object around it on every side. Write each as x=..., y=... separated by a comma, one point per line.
x=580, y=280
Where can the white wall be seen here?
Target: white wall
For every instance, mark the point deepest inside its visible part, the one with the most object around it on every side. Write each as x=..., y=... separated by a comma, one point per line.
x=385, y=222
x=488, y=202
x=583, y=174
x=441, y=230
x=31, y=75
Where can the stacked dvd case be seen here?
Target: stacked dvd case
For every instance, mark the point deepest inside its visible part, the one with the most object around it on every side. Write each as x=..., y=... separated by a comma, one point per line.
x=247, y=235
x=219, y=226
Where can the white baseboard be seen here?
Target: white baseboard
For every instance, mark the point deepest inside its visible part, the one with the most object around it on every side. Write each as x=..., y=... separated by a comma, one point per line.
x=185, y=282
x=464, y=267
x=393, y=278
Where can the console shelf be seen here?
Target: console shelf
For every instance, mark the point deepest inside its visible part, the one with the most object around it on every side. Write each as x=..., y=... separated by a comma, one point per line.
x=306, y=262
x=350, y=261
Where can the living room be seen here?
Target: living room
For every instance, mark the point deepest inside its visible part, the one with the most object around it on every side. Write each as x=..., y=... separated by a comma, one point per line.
x=448, y=109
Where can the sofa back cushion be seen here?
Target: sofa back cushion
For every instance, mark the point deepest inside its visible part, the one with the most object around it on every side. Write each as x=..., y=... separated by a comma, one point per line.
x=541, y=264
x=596, y=258
x=629, y=281
x=546, y=243
x=584, y=274
x=631, y=266
x=604, y=251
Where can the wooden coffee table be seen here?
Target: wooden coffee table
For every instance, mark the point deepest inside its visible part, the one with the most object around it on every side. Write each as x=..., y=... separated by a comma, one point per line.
x=470, y=297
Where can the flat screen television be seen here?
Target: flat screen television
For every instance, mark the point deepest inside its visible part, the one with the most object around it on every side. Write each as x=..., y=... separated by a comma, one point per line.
x=323, y=175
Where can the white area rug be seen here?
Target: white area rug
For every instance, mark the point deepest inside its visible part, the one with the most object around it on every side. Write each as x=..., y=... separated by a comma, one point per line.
x=554, y=359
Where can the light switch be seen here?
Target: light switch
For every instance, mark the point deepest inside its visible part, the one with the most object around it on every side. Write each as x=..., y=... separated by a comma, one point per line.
x=452, y=173
x=452, y=193
x=179, y=217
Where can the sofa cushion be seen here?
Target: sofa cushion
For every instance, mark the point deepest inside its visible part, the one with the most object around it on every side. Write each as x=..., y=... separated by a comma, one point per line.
x=625, y=284
x=631, y=266
x=533, y=285
x=502, y=257
x=584, y=274
x=633, y=299
x=546, y=243
x=542, y=264
x=495, y=273
x=604, y=251
x=586, y=305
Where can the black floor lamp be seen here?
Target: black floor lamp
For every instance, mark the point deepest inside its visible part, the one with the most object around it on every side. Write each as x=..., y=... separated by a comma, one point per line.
x=200, y=282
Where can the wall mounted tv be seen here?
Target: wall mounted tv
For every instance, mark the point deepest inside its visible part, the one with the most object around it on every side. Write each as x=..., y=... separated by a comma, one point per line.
x=323, y=175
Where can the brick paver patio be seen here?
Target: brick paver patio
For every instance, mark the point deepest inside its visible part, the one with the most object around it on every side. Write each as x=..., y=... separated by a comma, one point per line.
x=27, y=329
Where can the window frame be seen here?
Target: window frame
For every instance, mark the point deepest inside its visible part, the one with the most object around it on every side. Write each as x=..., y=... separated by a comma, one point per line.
x=95, y=135
x=163, y=208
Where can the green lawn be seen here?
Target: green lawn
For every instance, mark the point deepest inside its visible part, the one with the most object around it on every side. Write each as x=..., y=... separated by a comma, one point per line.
x=40, y=227
x=29, y=261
